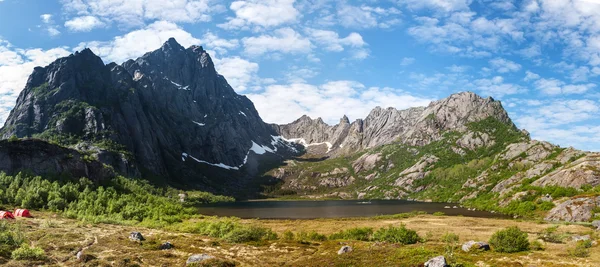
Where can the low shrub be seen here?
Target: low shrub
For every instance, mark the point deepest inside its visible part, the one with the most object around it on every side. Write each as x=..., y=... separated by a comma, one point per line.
x=550, y=235
x=310, y=236
x=288, y=235
x=360, y=233
x=537, y=246
x=439, y=213
x=400, y=235
x=214, y=262
x=510, y=240
x=581, y=249
x=11, y=237
x=249, y=234
x=25, y=252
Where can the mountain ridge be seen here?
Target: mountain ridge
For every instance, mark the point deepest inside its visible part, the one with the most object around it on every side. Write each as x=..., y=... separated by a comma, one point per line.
x=415, y=126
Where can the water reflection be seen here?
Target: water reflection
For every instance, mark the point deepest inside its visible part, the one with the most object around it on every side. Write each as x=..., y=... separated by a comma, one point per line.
x=332, y=209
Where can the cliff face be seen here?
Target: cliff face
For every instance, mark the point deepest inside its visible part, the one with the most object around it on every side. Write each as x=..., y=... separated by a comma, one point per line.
x=42, y=158
x=169, y=112
x=415, y=126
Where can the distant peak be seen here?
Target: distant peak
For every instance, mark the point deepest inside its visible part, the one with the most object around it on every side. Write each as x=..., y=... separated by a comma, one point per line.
x=172, y=44
x=85, y=52
x=344, y=120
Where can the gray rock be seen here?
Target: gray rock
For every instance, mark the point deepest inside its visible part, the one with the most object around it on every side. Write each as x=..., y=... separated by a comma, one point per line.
x=136, y=236
x=596, y=224
x=166, y=245
x=574, y=210
x=438, y=261
x=344, y=249
x=577, y=238
x=197, y=258
x=471, y=245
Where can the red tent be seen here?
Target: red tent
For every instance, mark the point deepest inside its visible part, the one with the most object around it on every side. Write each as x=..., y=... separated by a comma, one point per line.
x=22, y=213
x=6, y=215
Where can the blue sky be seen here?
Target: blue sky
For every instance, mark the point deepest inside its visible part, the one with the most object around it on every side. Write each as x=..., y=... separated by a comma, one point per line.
x=327, y=58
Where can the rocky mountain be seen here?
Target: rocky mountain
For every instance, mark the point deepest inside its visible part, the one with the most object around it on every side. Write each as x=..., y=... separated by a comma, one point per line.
x=168, y=114
x=462, y=149
x=415, y=126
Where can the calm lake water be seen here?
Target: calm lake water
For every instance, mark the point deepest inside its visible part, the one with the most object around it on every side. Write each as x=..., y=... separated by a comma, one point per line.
x=332, y=209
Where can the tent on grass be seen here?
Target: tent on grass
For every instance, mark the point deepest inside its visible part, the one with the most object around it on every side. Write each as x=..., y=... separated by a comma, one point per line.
x=22, y=213
x=6, y=215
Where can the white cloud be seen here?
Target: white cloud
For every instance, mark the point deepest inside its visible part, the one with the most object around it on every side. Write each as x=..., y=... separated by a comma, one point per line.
x=261, y=13
x=530, y=76
x=364, y=16
x=332, y=41
x=407, y=61
x=133, y=13
x=83, y=24
x=458, y=69
x=220, y=45
x=553, y=86
x=284, y=40
x=438, y=5
x=46, y=18
x=504, y=65
x=134, y=44
x=565, y=121
x=496, y=87
x=238, y=72
x=330, y=101
x=49, y=25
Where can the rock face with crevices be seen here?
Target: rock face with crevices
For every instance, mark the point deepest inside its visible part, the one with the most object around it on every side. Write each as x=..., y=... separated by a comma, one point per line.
x=574, y=210
x=415, y=126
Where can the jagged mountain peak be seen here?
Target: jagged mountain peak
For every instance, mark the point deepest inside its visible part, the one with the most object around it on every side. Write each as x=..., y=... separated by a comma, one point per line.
x=169, y=108
x=414, y=126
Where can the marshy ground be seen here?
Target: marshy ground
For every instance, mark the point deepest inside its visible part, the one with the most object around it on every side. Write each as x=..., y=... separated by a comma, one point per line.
x=108, y=245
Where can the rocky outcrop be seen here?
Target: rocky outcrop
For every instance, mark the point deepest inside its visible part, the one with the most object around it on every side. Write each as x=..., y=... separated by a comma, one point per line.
x=42, y=158
x=574, y=210
x=415, y=172
x=414, y=126
x=473, y=245
x=170, y=109
x=584, y=171
x=366, y=162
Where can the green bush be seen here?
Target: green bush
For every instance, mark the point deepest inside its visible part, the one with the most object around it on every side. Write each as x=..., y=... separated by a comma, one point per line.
x=118, y=200
x=25, y=252
x=288, y=235
x=400, y=235
x=360, y=233
x=537, y=245
x=248, y=234
x=214, y=262
x=510, y=240
x=550, y=235
x=438, y=213
x=310, y=236
x=581, y=249
x=11, y=237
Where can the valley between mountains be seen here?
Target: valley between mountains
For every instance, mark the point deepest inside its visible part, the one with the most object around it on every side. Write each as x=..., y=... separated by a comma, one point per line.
x=102, y=144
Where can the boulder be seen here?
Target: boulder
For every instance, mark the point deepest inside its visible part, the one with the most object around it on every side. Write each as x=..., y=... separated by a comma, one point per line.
x=166, y=245
x=197, y=258
x=136, y=236
x=468, y=246
x=577, y=238
x=438, y=261
x=574, y=210
x=344, y=249
x=596, y=224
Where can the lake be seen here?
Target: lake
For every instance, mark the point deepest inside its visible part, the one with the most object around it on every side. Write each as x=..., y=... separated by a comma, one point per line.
x=332, y=209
